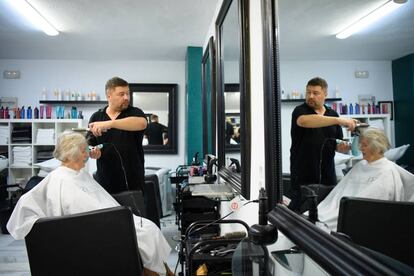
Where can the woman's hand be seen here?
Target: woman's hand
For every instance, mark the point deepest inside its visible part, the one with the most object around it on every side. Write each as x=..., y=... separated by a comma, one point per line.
x=95, y=153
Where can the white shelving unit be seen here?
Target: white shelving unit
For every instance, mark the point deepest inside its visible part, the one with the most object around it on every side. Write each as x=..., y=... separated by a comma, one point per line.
x=22, y=172
x=375, y=120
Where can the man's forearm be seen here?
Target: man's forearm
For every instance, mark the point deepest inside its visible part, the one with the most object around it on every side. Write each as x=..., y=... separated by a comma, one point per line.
x=129, y=123
x=316, y=121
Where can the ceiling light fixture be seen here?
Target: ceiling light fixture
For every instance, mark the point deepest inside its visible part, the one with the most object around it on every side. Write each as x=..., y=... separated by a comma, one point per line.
x=29, y=12
x=373, y=16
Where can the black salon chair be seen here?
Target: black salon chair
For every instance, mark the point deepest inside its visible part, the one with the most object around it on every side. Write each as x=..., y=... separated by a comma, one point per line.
x=154, y=189
x=312, y=195
x=8, y=202
x=152, y=199
x=384, y=226
x=101, y=242
x=133, y=200
x=146, y=203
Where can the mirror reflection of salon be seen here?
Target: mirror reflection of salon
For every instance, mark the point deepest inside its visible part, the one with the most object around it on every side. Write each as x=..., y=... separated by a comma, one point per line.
x=155, y=106
x=232, y=112
x=232, y=124
x=233, y=128
x=156, y=133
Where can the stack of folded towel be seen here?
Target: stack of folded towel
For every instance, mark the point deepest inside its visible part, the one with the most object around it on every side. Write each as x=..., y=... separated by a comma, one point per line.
x=4, y=135
x=45, y=136
x=22, y=156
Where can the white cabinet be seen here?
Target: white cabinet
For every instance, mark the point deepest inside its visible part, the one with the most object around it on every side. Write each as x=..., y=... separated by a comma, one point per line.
x=374, y=120
x=28, y=141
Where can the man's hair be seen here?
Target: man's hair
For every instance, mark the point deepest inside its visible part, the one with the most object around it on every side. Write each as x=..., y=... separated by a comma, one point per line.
x=154, y=117
x=318, y=82
x=114, y=82
x=376, y=139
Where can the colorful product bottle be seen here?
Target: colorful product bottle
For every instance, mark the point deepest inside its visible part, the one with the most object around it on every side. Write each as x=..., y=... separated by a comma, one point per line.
x=42, y=112
x=29, y=112
x=22, y=113
x=74, y=112
x=36, y=113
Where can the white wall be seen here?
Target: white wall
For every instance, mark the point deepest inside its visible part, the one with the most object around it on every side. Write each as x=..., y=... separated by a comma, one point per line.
x=339, y=74
x=88, y=75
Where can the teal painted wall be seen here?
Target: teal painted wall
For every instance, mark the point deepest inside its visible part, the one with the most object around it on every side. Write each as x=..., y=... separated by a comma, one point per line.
x=194, y=125
x=403, y=86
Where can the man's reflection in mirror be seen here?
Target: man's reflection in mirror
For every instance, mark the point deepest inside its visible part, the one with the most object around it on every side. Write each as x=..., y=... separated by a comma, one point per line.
x=236, y=136
x=229, y=130
x=156, y=133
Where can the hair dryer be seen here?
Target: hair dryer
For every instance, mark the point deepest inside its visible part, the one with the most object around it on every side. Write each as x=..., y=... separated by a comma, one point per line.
x=236, y=163
x=210, y=177
x=355, y=140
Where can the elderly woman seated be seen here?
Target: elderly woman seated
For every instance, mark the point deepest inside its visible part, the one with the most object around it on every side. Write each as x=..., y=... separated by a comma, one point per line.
x=69, y=190
x=374, y=177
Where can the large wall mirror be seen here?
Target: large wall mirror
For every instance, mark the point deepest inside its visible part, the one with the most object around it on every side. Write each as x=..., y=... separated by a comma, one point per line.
x=233, y=94
x=209, y=98
x=307, y=48
x=159, y=103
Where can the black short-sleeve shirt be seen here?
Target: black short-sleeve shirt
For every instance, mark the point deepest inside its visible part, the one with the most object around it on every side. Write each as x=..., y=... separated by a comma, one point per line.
x=154, y=133
x=111, y=165
x=309, y=145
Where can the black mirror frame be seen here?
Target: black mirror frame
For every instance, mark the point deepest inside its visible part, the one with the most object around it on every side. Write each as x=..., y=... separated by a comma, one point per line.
x=272, y=103
x=240, y=182
x=209, y=54
x=171, y=89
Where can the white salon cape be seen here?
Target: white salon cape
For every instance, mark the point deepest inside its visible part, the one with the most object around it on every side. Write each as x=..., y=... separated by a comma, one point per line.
x=380, y=179
x=65, y=191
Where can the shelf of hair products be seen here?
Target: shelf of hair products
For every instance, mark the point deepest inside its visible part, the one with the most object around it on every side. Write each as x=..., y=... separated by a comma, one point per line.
x=43, y=112
x=350, y=109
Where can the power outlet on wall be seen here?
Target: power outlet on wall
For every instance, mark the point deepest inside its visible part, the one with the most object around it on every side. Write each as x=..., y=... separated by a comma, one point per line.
x=11, y=74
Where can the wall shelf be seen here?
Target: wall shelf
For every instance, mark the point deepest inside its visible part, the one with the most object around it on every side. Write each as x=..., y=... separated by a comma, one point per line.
x=303, y=100
x=72, y=102
x=19, y=171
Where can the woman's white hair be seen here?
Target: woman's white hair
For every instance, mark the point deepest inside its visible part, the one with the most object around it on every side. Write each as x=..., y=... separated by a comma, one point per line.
x=69, y=146
x=377, y=140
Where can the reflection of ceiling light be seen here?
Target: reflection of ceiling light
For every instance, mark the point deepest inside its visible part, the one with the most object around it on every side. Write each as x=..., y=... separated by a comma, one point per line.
x=29, y=12
x=373, y=16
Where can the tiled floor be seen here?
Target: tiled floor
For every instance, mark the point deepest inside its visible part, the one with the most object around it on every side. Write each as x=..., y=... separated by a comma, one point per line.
x=14, y=261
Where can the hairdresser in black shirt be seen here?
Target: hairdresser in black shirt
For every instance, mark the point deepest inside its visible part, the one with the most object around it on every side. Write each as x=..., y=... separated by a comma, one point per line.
x=120, y=128
x=315, y=127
